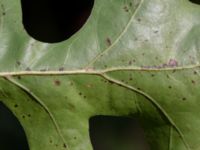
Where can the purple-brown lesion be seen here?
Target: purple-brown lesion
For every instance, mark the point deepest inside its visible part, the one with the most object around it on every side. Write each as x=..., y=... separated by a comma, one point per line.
x=172, y=63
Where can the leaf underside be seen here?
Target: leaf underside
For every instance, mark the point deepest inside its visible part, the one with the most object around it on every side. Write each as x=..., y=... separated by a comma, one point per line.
x=132, y=58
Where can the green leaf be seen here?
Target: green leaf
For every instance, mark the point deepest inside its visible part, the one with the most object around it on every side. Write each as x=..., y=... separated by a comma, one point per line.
x=132, y=58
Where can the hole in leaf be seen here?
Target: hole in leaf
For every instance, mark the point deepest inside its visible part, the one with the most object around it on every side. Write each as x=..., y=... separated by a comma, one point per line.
x=116, y=133
x=12, y=135
x=55, y=21
x=195, y=1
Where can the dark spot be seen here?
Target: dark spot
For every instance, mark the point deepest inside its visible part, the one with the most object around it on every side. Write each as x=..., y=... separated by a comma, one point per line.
x=15, y=105
x=80, y=93
x=183, y=98
x=105, y=66
x=71, y=106
x=134, y=60
x=130, y=79
x=64, y=145
x=29, y=115
x=193, y=82
x=23, y=117
x=169, y=87
x=108, y=42
x=57, y=82
x=153, y=75
x=61, y=69
x=18, y=63
x=111, y=82
x=126, y=9
x=195, y=72
x=139, y=88
x=130, y=62
x=130, y=4
x=84, y=97
x=19, y=77
x=155, y=32
x=164, y=65
x=75, y=138
x=3, y=13
x=56, y=145
x=50, y=141
x=139, y=20
x=168, y=76
x=71, y=83
x=28, y=69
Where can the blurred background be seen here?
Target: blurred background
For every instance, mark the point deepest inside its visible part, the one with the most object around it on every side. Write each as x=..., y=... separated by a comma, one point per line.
x=52, y=22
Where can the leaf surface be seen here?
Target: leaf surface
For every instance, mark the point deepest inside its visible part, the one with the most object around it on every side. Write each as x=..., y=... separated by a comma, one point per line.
x=132, y=58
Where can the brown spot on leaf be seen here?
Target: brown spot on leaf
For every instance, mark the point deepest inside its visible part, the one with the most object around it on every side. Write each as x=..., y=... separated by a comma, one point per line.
x=195, y=72
x=18, y=63
x=71, y=83
x=64, y=145
x=111, y=82
x=28, y=69
x=57, y=82
x=61, y=69
x=183, y=98
x=155, y=32
x=19, y=77
x=71, y=106
x=193, y=82
x=126, y=9
x=108, y=42
x=139, y=20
